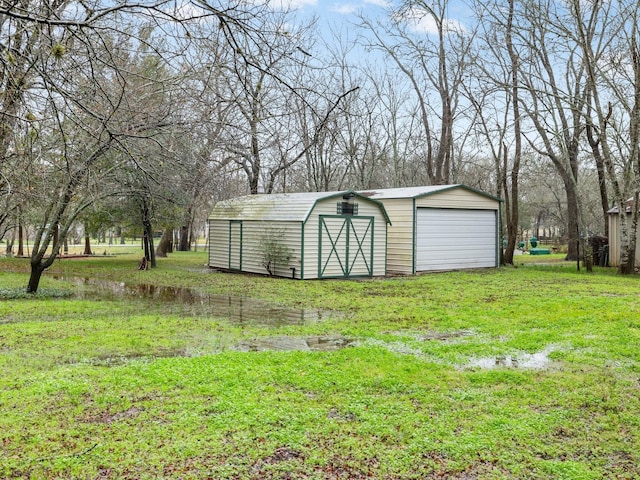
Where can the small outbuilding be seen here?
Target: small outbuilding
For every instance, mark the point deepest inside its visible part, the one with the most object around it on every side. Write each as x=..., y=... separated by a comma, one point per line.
x=615, y=235
x=300, y=235
x=442, y=227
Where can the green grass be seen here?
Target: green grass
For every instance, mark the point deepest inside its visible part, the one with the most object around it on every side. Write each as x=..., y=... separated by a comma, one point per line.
x=140, y=389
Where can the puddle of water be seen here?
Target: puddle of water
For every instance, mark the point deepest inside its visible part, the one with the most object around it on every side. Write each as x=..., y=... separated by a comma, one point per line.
x=394, y=347
x=535, y=361
x=239, y=310
x=307, y=344
x=436, y=336
x=114, y=360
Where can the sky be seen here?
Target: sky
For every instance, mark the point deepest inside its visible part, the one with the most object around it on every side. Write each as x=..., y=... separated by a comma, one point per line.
x=329, y=6
x=345, y=13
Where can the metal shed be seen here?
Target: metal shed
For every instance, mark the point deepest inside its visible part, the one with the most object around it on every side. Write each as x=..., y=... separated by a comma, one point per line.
x=615, y=235
x=441, y=227
x=324, y=234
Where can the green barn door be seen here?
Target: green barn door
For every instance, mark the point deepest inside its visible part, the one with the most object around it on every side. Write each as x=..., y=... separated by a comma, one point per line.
x=235, y=245
x=345, y=246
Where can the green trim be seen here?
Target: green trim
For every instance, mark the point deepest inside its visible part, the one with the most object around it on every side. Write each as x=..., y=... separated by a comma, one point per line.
x=454, y=187
x=368, y=264
x=498, y=236
x=386, y=248
x=373, y=245
x=355, y=194
x=301, y=250
x=333, y=244
x=350, y=233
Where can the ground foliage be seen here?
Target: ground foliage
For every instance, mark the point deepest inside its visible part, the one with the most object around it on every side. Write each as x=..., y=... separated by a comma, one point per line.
x=139, y=389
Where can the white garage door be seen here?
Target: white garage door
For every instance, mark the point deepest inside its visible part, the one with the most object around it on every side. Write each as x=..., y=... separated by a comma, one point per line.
x=449, y=239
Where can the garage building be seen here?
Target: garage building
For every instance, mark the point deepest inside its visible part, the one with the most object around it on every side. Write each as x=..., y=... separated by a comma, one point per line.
x=442, y=227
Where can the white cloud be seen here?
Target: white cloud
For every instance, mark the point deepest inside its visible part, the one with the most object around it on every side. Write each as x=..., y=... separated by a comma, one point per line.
x=291, y=4
x=350, y=8
x=421, y=21
x=344, y=8
x=378, y=3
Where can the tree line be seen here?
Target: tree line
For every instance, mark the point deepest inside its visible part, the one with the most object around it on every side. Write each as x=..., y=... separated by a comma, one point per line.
x=142, y=114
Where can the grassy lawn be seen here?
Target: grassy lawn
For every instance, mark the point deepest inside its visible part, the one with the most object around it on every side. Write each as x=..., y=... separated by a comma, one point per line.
x=523, y=372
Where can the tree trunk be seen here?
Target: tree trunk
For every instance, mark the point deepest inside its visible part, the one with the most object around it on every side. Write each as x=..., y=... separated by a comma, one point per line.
x=56, y=234
x=165, y=244
x=184, y=239
x=10, y=242
x=572, y=221
x=87, y=243
x=149, y=251
x=145, y=245
x=20, y=251
x=37, y=269
x=602, y=175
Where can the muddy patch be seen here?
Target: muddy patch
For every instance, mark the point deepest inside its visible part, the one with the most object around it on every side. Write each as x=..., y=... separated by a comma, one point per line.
x=114, y=360
x=237, y=309
x=300, y=344
x=453, y=336
x=337, y=415
x=532, y=361
x=108, y=417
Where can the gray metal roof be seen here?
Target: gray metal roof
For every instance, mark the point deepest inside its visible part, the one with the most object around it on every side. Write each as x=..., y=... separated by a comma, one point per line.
x=615, y=210
x=415, y=192
x=283, y=207
x=403, y=192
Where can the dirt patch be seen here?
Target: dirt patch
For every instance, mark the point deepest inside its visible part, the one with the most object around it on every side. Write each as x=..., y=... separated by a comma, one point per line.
x=288, y=343
x=434, y=335
x=283, y=454
x=263, y=467
x=108, y=417
x=335, y=414
x=444, y=336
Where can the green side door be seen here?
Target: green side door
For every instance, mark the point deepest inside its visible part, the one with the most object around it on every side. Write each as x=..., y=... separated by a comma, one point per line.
x=345, y=246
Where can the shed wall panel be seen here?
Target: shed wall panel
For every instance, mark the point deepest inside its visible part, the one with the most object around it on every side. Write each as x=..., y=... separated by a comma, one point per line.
x=219, y=243
x=235, y=245
x=457, y=198
x=253, y=233
x=614, y=240
x=400, y=235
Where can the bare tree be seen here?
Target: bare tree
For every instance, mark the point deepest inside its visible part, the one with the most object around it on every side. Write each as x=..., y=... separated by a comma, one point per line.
x=496, y=102
x=613, y=123
x=435, y=61
x=66, y=77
